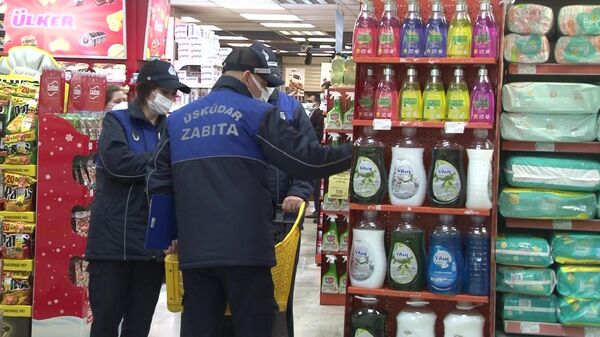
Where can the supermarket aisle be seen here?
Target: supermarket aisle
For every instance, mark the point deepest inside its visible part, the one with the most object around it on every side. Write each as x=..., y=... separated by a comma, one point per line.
x=311, y=319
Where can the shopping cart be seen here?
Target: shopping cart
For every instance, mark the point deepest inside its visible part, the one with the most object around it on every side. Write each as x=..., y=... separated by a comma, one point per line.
x=286, y=253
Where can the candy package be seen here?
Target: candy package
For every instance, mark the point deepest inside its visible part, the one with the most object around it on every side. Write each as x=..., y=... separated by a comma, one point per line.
x=21, y=105
x=22, y=123
x=81, y=222
x=52, y=99
x=78, y=273
x=19, y=192
x=76, y=96
x=17, y=240
x=16, y=288
x=94, y=88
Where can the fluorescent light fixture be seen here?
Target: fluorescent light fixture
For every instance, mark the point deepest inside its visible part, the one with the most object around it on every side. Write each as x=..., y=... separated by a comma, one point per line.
x=321, y=39
x=347, y=47
x=299, y=39
x=295, y=32
x=239, y=44
x=233, y=38
x=286, y=25
x=322, y=54
x=301, y=54
x=270, y=17
x=285, y=32
x=210, y=27
x=246, y=4
x=326, y=46
x=346, y=51
x=318, y=32
x=189, y=19
x=283, y=51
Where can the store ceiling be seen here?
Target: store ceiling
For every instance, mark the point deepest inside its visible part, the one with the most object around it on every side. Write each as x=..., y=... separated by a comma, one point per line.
x=262, y=20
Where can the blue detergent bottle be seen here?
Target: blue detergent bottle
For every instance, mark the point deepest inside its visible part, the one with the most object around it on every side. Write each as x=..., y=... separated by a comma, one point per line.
x=412, y=41
x=445, y=264
x=436, y=32
x=477, y=258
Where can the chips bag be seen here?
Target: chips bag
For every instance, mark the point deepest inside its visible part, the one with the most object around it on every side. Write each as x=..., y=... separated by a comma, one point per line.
x=17, y=240
x=16, y=288
x=22, y=123
x=19, y=192
x=21, y=148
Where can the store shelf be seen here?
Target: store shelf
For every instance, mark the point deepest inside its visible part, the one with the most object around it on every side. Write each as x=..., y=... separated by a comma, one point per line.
x=386, y=292
x=421, y=209
x=425, y=60
x=554, y=69
x=341, y=131
x=574, y=225
x=330, y=212
x=589, y=147
x=422, y=124
x=549, y=329
x=332, y=299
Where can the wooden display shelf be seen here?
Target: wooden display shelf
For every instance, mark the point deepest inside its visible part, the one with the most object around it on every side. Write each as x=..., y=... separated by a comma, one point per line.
x=340, y=131
x=421, y=209
x=387, y=292
x=332, y=299
x=422, y=124
x=574, y=225
x=425, y=60
x=588, y=147
x=549, y=329
x=554, y=69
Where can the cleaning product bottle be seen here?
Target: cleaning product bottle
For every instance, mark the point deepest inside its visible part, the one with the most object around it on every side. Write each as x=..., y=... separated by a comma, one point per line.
x=365, y=32
x=434, y=97
x=344, y=276
x=329, y=281
x=479, y=172
x=458, y=98
x=407, y=255
x=334, y=139
x=349, y=115
x=367, y=96
x=436, y=32
x=464, y=321
x=337, y=70
x=349, y=71
x=367, y=320
x=344, y=236
x=367, y=260
x=485, y=32
x=411, y=108
x=477, y=259
x=389, y=32
x=483, y=99
x=446, y=183
x=413, y=39
x=334, y=116
x=386, y=96
x=445, y=262
x=460, y=32
x=408, y=180
x=369, y=179
x=416, y=320
x=330, y=238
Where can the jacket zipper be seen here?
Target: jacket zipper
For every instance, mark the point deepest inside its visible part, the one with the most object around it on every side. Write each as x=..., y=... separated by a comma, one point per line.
x=125, y=224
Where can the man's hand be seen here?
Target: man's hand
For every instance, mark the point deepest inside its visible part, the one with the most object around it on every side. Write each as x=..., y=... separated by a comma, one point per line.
x=291, y=204
x=172, y=248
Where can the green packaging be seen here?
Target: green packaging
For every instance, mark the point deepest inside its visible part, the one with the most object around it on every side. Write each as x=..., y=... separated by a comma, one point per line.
x=581, y=282
x=547, y=204
x=576, y=248
x=527, y=281
x=517, y=307
x=523, y=250
x=578, y=312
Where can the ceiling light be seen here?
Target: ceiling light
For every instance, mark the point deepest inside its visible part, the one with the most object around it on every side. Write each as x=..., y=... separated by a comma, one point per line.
x=239, y=44
x=283, y=51
x=189, y=19
x=301, y=54
x=320, y=33
x=295, y=32
x=326, y=46
x=348, y=47
x=321, y=54
x=286, y=25
x=233, y=38
x=209, y=27
x=346, y=51
x=299, y=39
x=270, y=17
x=285, y=32
x=237, y=4
x=321, y=39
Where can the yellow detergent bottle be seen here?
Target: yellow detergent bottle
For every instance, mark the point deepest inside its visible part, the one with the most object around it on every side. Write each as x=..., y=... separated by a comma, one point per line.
x=460, y=33
x=434, y=97
x=411, y=108
x=458, y=99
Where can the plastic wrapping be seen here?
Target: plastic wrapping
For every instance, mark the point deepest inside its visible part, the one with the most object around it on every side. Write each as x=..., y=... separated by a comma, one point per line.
x=526, y=281
x=523, y=250
x=581, y=282
x=579, y=20
x=576, y=248
x=547, y=204
x=526, y=48
x=516, y=307
x=578, y=50
x=551, y=98
x=578, y=312
x=530, y=19
x=548, y=127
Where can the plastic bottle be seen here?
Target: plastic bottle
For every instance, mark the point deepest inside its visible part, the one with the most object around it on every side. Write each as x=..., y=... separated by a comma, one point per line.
x=331, y=242
x=445, y=264
x=366, y=99
x=349, y=72
x=386, y=96
x=416, y=320
x=349, y=115
x=368, y=179
x=367, y=261
x=413, y=39
x=407, y=255
x=407, y=183
x=460, y=32
x=344, y=236
x=447, y=183
x=479, y=172
x=337, y=70
x=411, y=108
x=483, y=99
x=477, y=258
x=329, y=281
x=464, y=322
x=334, y=139
x=434, y=97
x=389, y=32
x=367, y=320
x=365, y=32
x=334, y=116
x=485, y=32
x=344, y=277
x=436, y=32
x=458, y=98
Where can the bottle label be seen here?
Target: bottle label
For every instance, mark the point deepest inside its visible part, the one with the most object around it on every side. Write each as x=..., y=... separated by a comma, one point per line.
x=435, y=45
x=411, y=107
x=411, y=45
x=443, y=272
x=330, y=242
x=388, y=46
x=459, y=44
x=403, y=267
x=458, y=107
x=330, y=285
x=344, y=242
x=404, y=182
x=367, y=178
x=362, y=333
x=348, y=118
x=433, y=106
x=384, y=106
x=362, y=264
x=364, y=42
x=366, y=106
x=482, y=110
x=483, y=42
x=446, y=182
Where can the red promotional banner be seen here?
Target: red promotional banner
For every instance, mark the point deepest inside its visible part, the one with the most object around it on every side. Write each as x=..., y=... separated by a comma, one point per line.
x=68, y=28
x=156, y=29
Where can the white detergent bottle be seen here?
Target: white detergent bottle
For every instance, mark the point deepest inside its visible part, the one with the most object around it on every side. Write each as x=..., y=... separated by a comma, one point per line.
x=407, y=184
x=367, y=260
x=464, y=321
x=416, y=320
x=479, y=173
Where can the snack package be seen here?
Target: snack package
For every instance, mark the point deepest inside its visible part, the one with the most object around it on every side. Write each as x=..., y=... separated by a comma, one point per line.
x=22, y=123
x=76, y=93
x=527, y=281
x=530, y=19
x=523, y=250
x=551, y=98
x=19, y=192
x=79, y=275
x=576, y=248
x=21, y=105
x=527, y=203
x=573, y=311
x=579, y=281
x=516, y=307
x=548, y=127
x=526, y=48
x=17, y=240
x=578, y=50
x=94, y=88
x=21, y=148
x=579, y=20
x=81, y=222
x=26, y=89
x=16, y=288
x=52, y=99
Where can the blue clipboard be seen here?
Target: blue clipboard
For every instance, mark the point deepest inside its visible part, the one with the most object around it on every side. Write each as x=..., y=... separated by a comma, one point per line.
x=162, y=225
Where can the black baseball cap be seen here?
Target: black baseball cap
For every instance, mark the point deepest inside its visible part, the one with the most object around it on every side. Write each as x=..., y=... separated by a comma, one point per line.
x=246, y=58
x=270, y=56
x=162, y=74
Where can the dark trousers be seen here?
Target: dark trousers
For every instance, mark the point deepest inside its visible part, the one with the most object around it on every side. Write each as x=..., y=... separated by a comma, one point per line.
x=124, y=291
x=247, y=290
x=317, y=194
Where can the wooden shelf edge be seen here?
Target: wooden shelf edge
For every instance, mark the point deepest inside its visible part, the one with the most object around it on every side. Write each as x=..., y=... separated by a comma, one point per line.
x=421, y=209
x=585, y=147
x=330, y=212
x=592, y=225
x=386, y=292
x=332, y=299
x=548, y=329
x=342, y=131
x=554, y=69
x=425, y=60
x=422, y=124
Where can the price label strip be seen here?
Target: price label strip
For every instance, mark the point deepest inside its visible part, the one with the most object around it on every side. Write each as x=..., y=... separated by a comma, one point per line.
x=339, y=185
x=455, y=127
x=382, y=124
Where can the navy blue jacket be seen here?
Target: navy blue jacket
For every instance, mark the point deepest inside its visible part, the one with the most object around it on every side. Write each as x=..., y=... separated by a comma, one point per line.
x=214, y=160
x=120, y=209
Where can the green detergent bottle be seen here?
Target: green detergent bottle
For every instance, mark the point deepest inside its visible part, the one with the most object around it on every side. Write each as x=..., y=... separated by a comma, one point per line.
x=334, y=116
x=367, y=320
x=344, y=277
x=369, y=178
x=406, y=269
x=330, y=238
x=349, y=115
x=330, y=282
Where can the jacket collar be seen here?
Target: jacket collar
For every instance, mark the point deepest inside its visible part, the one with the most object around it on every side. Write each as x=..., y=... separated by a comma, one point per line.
x=274, y=99
x=135, y=110
x=233, y=84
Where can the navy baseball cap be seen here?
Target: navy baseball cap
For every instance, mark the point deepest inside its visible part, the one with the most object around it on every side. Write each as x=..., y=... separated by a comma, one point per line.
x=270, y=56
x=246, y=58
x=162, y=74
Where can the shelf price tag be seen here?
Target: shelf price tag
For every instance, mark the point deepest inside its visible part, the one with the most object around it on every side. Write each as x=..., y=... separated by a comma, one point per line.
x=382, y=124
x=530, y=327
x=455, y=127
x=339, y=184
x=566, y=225
x=544, y=147
x=526, y=69
x=591, y=331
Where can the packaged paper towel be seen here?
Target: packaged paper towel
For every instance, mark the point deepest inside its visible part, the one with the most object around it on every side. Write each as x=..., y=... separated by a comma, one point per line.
x=523, y=250
x=575, y=248
x=530, y=19
x=573, y=311
x=516, y=307
x=579, y=281
x=579, y=20
x=527, y=281
x=578, y=50
x=526, y=48
x=552, y=172
x=530, y=203
x=551, y=97
x=548, y=128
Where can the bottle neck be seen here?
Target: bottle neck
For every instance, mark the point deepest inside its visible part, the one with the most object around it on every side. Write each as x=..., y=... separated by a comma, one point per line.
x=462, y=16
x=458, y=79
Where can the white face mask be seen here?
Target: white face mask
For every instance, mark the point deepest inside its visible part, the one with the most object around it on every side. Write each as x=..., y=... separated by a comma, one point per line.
x=160, y=105
x=265, y=93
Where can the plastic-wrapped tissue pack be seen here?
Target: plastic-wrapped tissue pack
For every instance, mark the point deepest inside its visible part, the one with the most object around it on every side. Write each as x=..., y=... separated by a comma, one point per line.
x=526, y=48
x=551, y=97
x=528, y=203
x=578, y=50
x=527, y=281
x=530, y=19
x=579, y=20
x=576, y=248
x=548, y=127
x=523, y=250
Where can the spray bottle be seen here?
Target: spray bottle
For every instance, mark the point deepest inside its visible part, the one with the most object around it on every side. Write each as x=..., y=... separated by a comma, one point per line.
x=344, y=239
x=344, y=277
x=334, y=116
x=330, y=282
x=330, y=238
x=335, y=139
x=349, y=115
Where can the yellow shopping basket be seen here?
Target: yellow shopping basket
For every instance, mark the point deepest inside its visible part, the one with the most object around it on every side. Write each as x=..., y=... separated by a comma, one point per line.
x=282, y=273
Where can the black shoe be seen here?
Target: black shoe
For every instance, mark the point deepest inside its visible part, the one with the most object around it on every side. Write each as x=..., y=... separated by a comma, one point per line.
x=313, y=215
x=316, y=220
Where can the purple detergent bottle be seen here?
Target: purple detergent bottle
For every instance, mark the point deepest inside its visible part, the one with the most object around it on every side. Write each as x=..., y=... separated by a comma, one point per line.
x=485, y=32
x=413, y=34
x=436, y=32
x=483, y=99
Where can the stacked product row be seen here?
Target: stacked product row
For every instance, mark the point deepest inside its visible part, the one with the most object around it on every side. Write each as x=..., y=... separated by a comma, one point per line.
x=436, y=38
x=339, y=118
x=531, y=24
x=343, y=71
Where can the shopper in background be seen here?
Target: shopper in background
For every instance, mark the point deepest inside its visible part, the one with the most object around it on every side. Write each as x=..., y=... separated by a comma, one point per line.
x=114, y=96
x=125, y=279
x=318, y=123
x=214, y=159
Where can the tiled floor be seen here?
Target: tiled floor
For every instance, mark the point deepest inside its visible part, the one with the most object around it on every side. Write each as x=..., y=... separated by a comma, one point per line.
x=311, y=319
